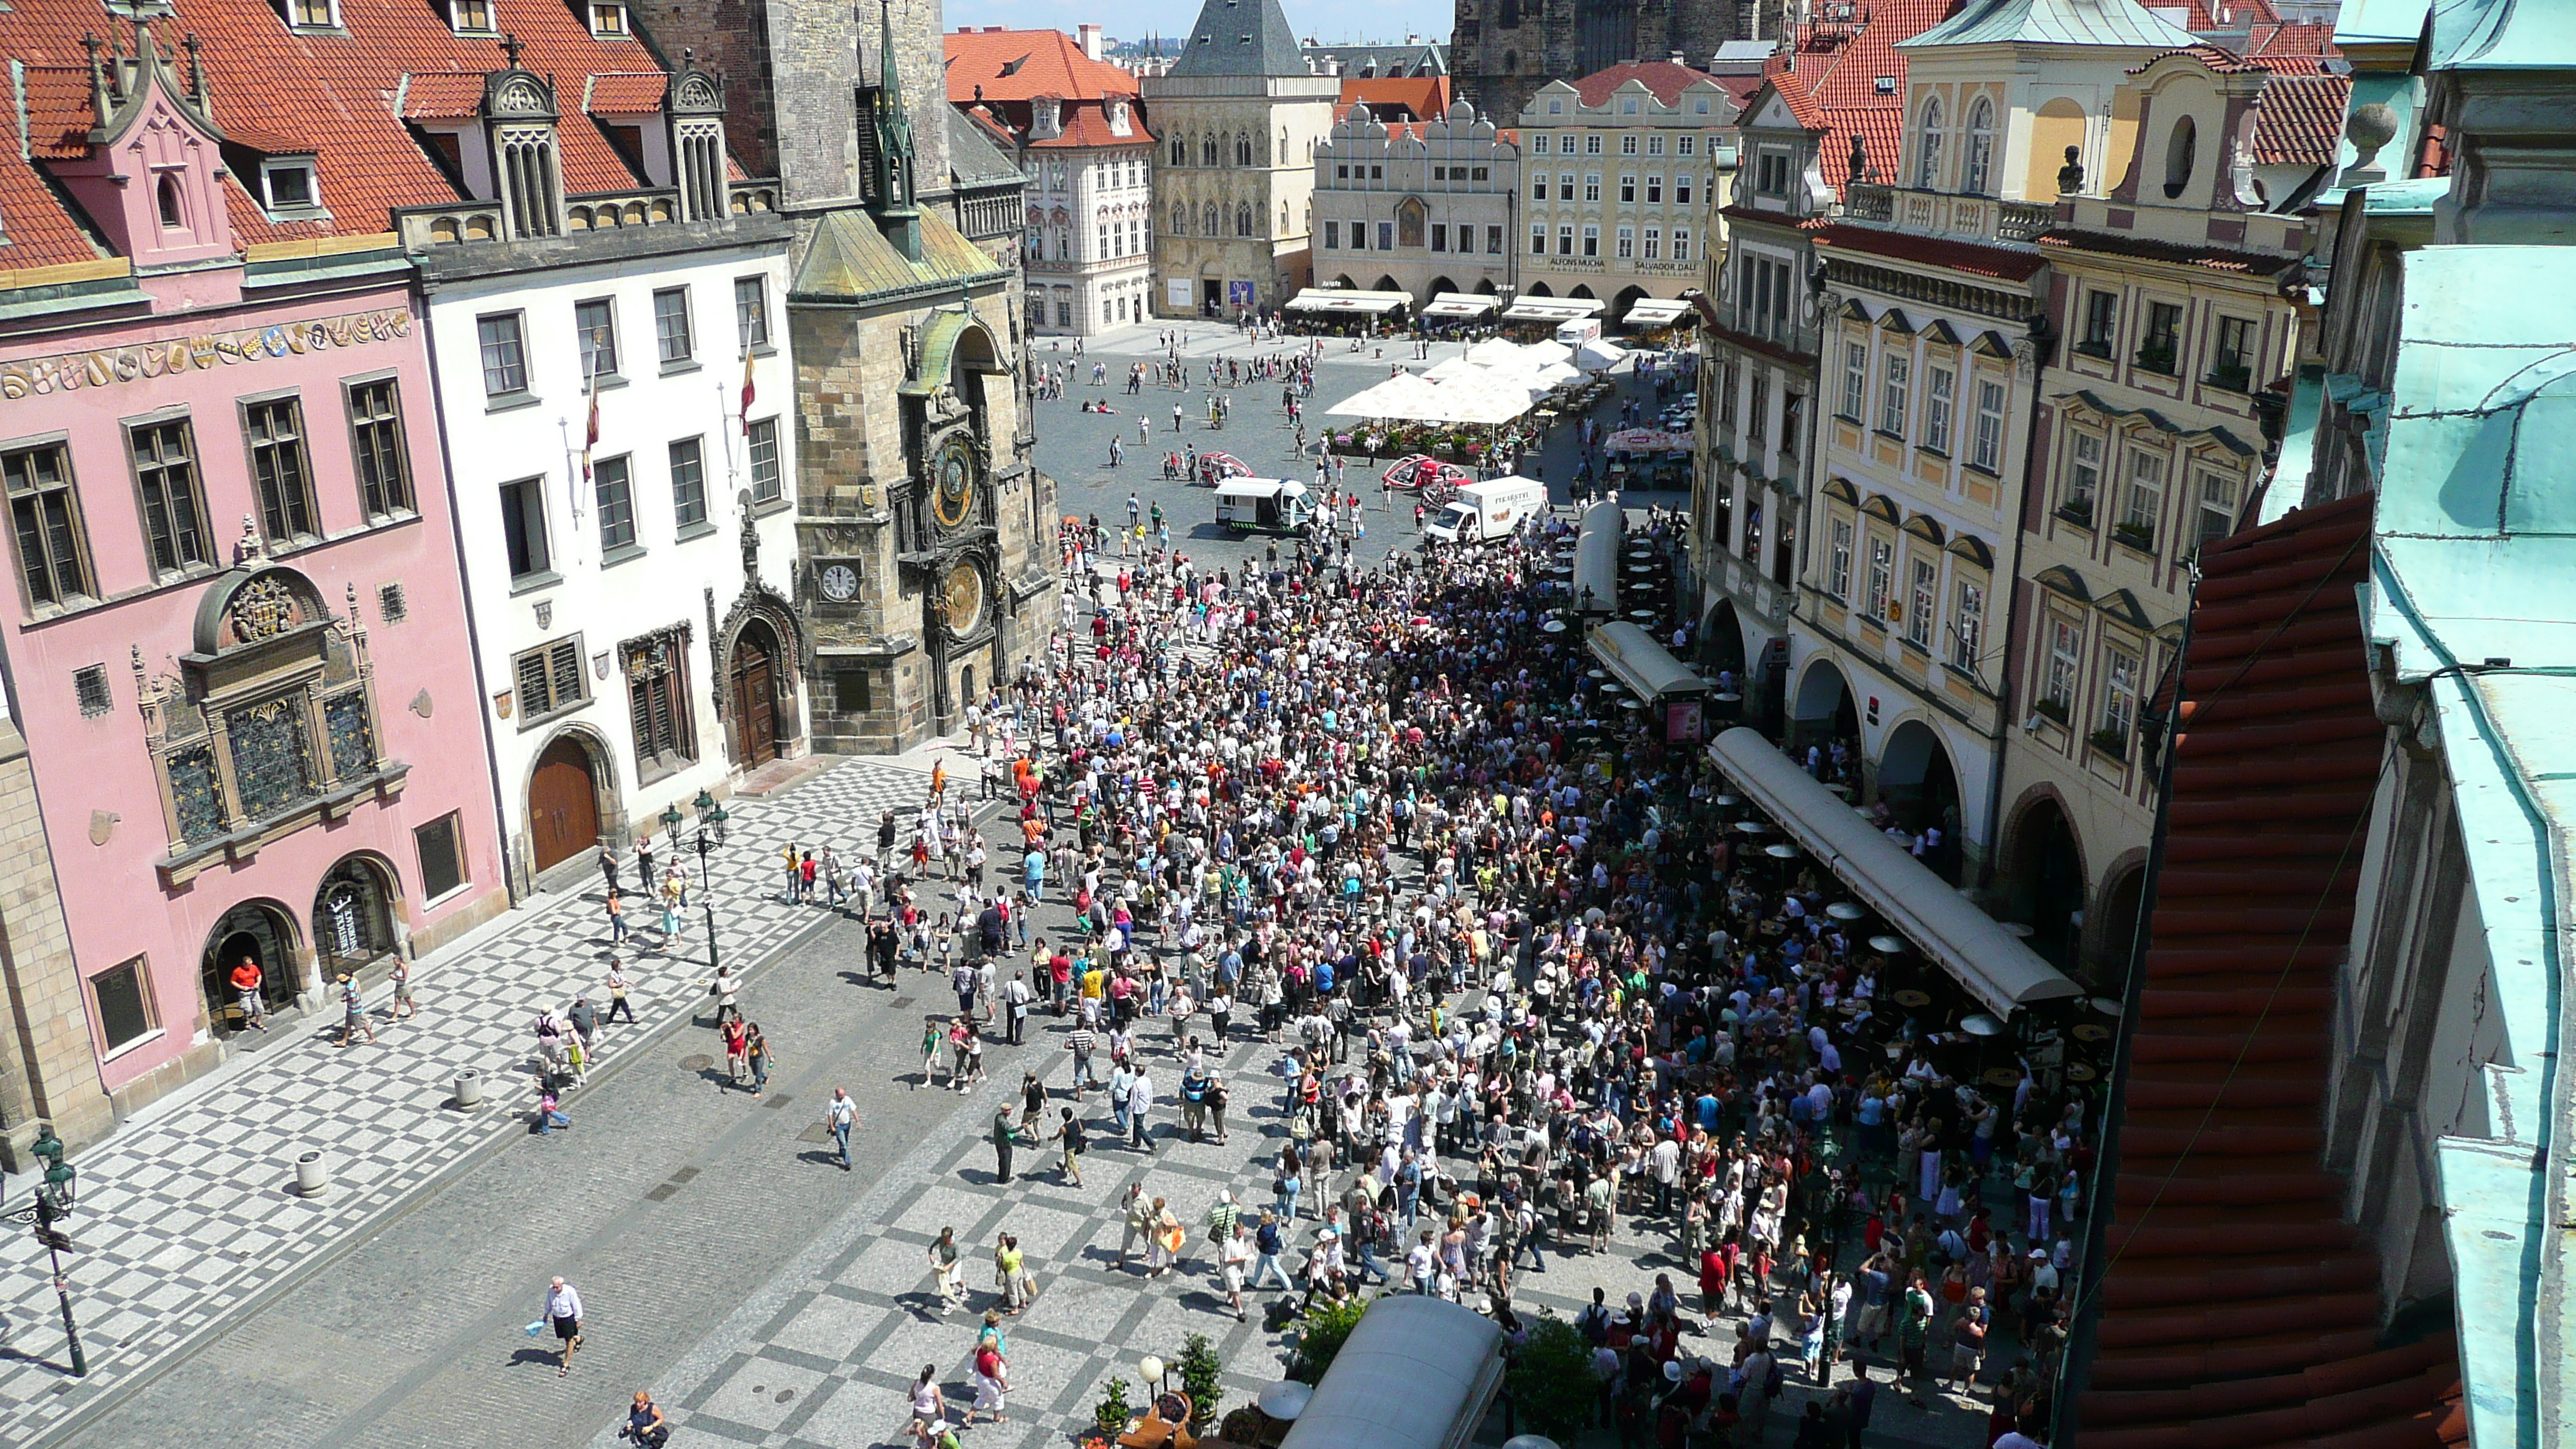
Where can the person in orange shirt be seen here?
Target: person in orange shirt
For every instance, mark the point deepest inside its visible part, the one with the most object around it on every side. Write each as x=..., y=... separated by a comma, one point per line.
x=246, y=980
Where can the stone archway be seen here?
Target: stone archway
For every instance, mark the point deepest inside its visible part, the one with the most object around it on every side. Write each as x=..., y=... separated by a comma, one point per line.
x=762, y=619
x=1627, y=298
x=263, y=933
x=1583, y=292
x=572, y=776
x=2043, y=876
x=1537, y=289
x=2123, y=900
x=752, y=684
x=1823, y=710
x=356, y=911
x=1921, y=791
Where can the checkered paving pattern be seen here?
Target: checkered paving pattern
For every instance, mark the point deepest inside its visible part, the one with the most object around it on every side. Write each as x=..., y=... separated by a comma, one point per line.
x=189, y=1218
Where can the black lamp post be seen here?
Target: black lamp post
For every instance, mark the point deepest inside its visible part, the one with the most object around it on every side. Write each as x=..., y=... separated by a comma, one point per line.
x=711, y=827
x=53, y=1204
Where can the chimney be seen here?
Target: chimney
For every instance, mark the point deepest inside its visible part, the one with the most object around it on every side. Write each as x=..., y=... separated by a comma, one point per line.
x=1089, y=35
x=1677, y=58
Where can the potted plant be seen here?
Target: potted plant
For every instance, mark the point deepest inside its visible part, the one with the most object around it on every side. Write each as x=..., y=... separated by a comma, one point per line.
x=2134, y=535
x=1201, y=1378
x=2051, y=708
x=1321, y=1332
x=2077, y=511
x=2114, y=743
x=1109, y=1417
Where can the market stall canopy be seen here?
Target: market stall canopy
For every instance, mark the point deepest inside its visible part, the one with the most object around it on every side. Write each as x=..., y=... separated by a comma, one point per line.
x=1646, y=440
x=1406, y=395
x=1643, y=664
x=1998, y=970
x=1654, y=312
x=1337, y=299
x=1596, y=558
x=1460, y=304
x=1598, y=356
x=1552, y=309
x=1417, y=1372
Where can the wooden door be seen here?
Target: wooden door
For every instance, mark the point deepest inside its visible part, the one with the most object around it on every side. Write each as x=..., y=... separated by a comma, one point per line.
x=755, y=714
x=563, y=805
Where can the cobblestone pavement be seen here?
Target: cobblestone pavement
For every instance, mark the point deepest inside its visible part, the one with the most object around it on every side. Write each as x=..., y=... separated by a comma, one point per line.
x=189, y=1217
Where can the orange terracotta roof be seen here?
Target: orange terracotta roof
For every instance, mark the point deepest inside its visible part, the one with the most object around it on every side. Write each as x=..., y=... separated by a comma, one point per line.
x=2270, y=42
x=2216, y=259
x=59, y=113
x=2237, y=1307
x=2300, y=119
x=627, y=93
x=1085, y=126
x=1425, y=96
x=1020, y=65
x=2204, y=14
x=1664, y=78
x=2224, y=62
x=1829, y=76
x=335, y=94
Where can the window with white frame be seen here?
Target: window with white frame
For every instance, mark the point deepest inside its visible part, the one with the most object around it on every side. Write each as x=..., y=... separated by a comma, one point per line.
x=1967, y=625
x=1927, y=167
x=2083, y=474
x=1627, y=241
x=2119, y=691
x=1938, y=383
x=1926, y=595
x=1979, y=168
x=1681, y=244
x=1628, y=186
x=2217, y=509
x=1654, y=242
x=1838, y=560
x=1882, y=577
x=2146, y=505
x=2065, y=664
x=1893, y=382
x=1855, y=377
x=1988, y=452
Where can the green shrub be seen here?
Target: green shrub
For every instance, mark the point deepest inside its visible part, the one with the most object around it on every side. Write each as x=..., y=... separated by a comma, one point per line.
x=1112, y=1413
x=1321, y=1332
x=1201, y=1378
x=1550, y=1380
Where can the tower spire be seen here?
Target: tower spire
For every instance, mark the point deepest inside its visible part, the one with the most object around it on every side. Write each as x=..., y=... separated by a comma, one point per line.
x=895, y=182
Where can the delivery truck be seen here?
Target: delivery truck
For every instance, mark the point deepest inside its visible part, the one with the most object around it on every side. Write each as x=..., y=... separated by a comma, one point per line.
x=1487, y=510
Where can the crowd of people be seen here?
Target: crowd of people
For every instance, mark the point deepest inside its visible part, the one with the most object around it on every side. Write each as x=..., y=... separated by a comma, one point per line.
x=1529, y=996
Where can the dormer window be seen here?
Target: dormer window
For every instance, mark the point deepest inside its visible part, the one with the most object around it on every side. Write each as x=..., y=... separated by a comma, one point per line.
x=289, y=186
x=169, y=196
x=470, y=17
x=313, y=14
x=608, y=17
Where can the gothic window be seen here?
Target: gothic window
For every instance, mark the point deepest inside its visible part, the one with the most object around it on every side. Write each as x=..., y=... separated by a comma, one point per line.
x=1207, y=148
x=1213, y=219
x=657, y=701
x=1180, y=151
x=1242, y=149
x=1180, y=219
x=1243, y=219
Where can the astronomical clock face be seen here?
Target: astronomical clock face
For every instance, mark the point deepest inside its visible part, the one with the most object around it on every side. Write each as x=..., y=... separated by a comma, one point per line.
x=953, y=483
x=964, y=593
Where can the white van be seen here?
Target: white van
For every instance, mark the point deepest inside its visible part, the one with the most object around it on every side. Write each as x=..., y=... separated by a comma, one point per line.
x=1487, y=510
x=1263, y=505
x=1579, y=331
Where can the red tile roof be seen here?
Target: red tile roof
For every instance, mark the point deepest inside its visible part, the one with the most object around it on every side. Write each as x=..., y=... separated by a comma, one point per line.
x=1427, y=97
x=2300, y=119
x=2204, y=14
x=1663, y=77
x=626, y=93
x=1085, y=126
x=1021, y=65
x=2238, y=1308
x=1829, y=76
x=335, y=96
x=1956, y=256
x=59, y=113
x=2215, y=258
x=2270, y=42
x=2225, y=62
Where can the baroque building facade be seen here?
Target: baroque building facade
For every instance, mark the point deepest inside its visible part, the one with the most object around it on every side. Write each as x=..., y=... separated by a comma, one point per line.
x=1422, y=208
x=924, y=574
x=1240, y=114
x=1621, y=168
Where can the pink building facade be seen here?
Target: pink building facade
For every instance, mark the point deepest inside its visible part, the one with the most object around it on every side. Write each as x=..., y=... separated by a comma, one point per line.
x=236, y=643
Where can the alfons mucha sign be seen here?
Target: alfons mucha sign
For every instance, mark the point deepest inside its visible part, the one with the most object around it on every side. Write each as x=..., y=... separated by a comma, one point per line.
x=142, y=361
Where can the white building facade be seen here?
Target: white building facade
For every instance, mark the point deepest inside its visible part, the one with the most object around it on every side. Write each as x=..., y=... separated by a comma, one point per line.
x=1090, y=237
x=1419, y=208
x=632, y=652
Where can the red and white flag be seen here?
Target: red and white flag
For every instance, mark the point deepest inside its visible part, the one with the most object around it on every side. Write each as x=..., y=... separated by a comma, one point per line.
x=590, y=431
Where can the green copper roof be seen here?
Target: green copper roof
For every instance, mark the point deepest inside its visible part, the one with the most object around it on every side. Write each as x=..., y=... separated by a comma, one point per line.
x=2502, y=35
x=2380, y=22
x=1241, y=37
x=849, y=259
x=2053, y=22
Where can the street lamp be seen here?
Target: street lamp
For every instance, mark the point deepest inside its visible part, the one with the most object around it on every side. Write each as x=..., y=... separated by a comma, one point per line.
x=711, y=830
x=54, y=1198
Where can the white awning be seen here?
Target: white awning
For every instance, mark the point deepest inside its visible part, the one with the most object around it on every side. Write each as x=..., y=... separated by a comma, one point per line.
x=1997, y=969
x=1642, y=664
x=1417, y=1372
x=1335, y=299
x=1596, y=558
x=1460, y=304
x=1654, y=312
x=1553, y=309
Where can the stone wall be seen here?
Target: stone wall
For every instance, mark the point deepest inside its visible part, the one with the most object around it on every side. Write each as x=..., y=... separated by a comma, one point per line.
x=48, y=1058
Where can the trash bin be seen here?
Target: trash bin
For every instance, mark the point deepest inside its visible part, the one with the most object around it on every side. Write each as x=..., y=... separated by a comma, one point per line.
x=312, y=1179
x=469, y=1090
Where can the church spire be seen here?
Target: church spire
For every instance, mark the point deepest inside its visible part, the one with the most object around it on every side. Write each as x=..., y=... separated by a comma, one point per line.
x=895, y=182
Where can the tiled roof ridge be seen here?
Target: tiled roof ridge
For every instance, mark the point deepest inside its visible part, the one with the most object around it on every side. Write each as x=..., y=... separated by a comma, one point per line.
x=1667, y=79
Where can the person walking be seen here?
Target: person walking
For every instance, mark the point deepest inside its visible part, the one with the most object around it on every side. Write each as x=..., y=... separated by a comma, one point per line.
x=1140, y=1100
x=353, y=1014
x=1002, y=1136
x=645, y=1424
x=1015, y=1005
x=618, y=986
x=1136, y=1218
x=725, y=989
x=755, y=1050
x=616, y=917
x=1268, y=1242
x=841, y=1115
x=563, y=1310
x=246, y=981
x=929, y=1410
x=404, y=1009
x=549, y=1109
x=1232, y=1255
x=1071, y=1135
x=992, y=1381
x=943, y=1264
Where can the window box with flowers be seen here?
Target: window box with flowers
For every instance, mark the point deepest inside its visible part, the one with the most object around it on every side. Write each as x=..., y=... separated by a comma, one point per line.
x=2049, y=709
x=2157, y=357
x=2134, y=535
x=2230, y=377
x=2077, y=511
x=2114, y=743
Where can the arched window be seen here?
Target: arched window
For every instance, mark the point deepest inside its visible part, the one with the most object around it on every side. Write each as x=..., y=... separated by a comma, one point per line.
x=174, y=206
x=2180, y=150
x=1927, y=165
x=1978, y=179
x=1207, y=148
x=1285, y=149
x=1242, y=149
x=1243, y=219
x=1180, y=151
x=1214, y=219
x=1180, y=219
x=1283, y=218
x=1511, y=60
x=352, y=916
